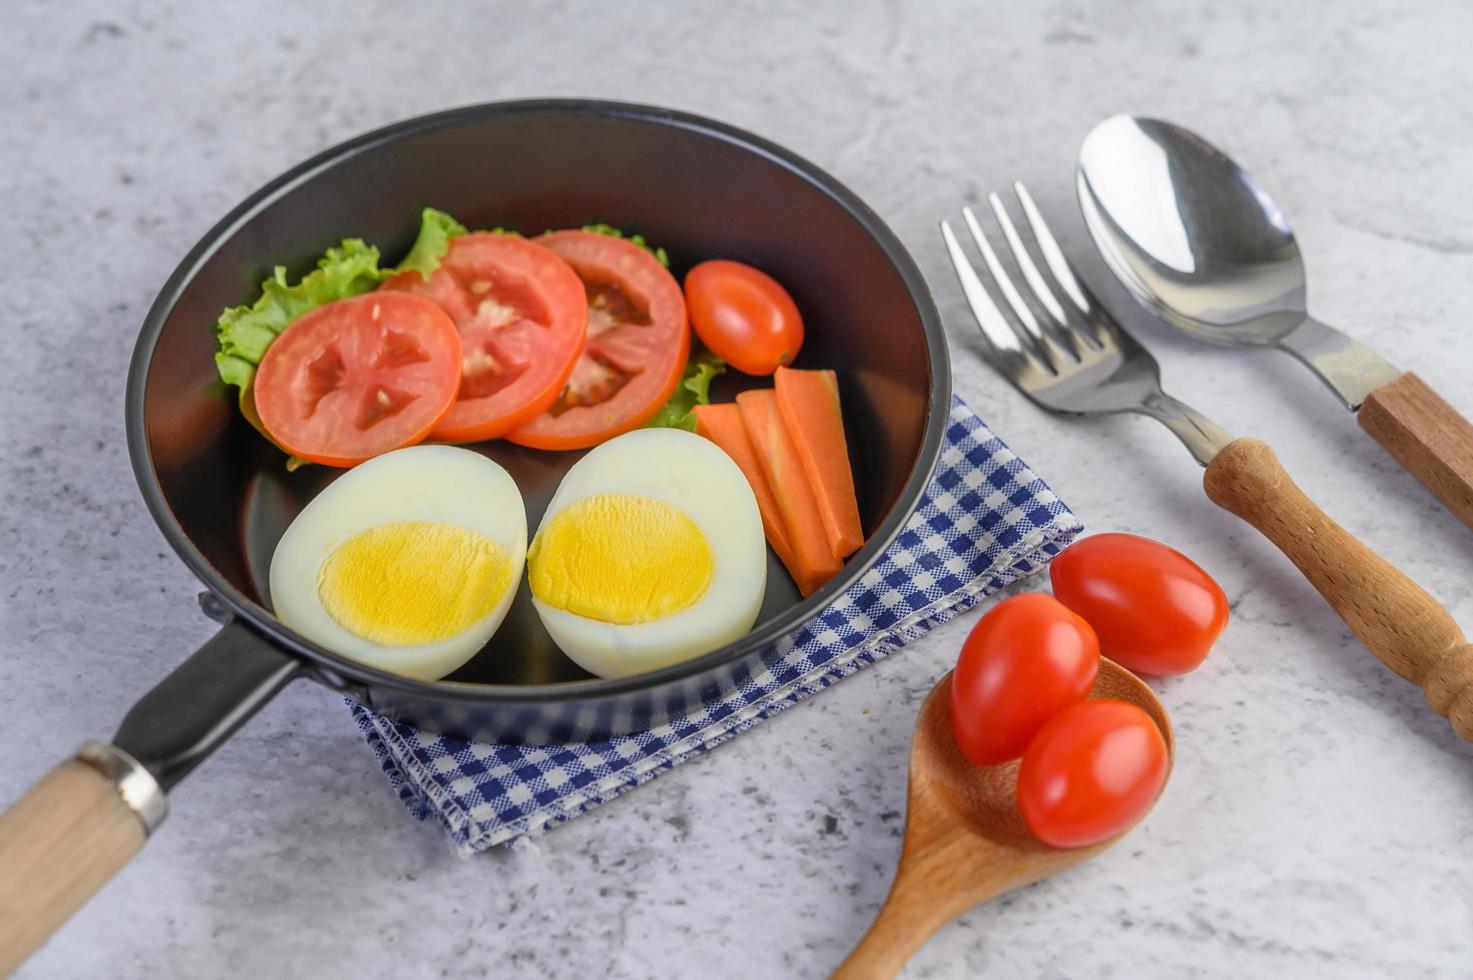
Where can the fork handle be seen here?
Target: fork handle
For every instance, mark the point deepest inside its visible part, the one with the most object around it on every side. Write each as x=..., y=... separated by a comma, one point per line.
x=1427, y=436
x=1404, y=626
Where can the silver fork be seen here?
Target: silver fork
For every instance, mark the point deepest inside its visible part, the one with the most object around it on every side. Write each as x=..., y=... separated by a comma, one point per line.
x=1068, y=355
x=1070, y=358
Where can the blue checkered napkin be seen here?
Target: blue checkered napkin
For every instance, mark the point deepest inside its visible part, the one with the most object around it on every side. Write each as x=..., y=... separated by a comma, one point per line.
x=985, y=520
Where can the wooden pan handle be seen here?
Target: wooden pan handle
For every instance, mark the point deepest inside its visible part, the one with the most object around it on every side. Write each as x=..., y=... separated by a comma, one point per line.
x=1427, y=436
x=64, y=840
x=1401, y=623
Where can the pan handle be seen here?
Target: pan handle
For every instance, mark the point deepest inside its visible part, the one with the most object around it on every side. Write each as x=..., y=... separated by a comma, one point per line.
x=76, y=828
x=63, y=840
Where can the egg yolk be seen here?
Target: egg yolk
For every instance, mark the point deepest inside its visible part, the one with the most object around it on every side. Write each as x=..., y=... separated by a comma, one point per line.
x=621, y=559
x=413, y=582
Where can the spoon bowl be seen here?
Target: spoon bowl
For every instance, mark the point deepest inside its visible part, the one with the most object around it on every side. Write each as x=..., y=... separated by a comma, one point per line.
x=1198, y=243
x=1190, y=233
x=965, y=839
x=985, y=798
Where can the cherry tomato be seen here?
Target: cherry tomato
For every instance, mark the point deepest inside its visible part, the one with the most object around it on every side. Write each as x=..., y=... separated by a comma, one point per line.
x=522, y=317
x=743, y=315
x=638, y=341
x=1090, y=773
x=1025, y=661
x=359, y=377
x=1153, y=608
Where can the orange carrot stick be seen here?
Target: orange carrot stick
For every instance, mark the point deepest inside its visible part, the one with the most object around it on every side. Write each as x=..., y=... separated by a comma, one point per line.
x=814, y=562
x=722, y=424
x=809, y=403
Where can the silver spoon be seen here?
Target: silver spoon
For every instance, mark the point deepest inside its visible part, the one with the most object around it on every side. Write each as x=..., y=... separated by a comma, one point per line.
x=1201, y=245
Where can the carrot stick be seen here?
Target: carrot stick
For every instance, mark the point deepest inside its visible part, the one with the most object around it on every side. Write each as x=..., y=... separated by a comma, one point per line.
x=814, y=562
x=809, y=403
x=722, y=424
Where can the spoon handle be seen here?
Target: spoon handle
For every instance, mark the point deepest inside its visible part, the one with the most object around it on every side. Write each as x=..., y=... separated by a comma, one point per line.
x=1404, y=626
x=940, y=876
x=1427, y=436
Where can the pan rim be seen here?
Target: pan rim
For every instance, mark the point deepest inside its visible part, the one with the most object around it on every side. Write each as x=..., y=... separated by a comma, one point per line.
x=258, y=617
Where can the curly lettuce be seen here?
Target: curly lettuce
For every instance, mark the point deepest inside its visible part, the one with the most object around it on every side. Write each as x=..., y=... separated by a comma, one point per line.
x=350, y=268
x=694, y=389
x=436, y=228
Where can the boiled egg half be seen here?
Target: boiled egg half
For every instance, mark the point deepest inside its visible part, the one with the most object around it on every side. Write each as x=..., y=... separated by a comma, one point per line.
x=650, y=553
x=407, y=562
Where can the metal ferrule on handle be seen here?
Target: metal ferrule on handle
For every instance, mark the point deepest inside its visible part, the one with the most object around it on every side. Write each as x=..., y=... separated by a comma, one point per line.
x=134, y=783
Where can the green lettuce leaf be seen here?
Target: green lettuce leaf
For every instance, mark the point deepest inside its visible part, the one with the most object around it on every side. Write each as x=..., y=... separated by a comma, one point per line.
x=244, y=332
x=694, y=389
x=436, y=228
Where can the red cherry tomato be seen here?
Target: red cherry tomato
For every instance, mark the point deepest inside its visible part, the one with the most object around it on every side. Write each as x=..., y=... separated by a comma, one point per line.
x=1090, y=773
x=358, y=377
x=1153, y=608
x=743, y=315
x=1025, y=661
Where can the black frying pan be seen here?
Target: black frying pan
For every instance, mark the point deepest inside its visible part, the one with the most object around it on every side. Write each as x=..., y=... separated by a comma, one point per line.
x=222, y=497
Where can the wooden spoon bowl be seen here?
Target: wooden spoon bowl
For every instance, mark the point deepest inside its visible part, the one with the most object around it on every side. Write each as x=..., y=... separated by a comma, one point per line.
x=965, y=840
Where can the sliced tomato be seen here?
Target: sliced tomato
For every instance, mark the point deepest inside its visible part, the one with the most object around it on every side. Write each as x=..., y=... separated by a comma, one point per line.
x=358, y=377
x=638, y=341
x=522, y=317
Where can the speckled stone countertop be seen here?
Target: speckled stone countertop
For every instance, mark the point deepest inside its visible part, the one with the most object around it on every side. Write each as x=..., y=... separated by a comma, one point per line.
x=1320, y=820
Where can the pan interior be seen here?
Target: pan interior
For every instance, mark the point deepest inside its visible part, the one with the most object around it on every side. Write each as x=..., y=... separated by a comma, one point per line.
x=699, y=194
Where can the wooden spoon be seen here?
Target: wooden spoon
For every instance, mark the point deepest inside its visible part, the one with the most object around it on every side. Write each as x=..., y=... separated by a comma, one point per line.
x=965, y=841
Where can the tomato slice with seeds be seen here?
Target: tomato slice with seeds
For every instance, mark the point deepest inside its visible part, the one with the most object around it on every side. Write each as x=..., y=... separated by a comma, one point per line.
x=638, y=342
x=358, y=377
x=522, y=317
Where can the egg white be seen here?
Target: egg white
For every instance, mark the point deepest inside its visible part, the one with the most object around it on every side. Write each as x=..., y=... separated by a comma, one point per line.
x=444, y=484
x=696, y=477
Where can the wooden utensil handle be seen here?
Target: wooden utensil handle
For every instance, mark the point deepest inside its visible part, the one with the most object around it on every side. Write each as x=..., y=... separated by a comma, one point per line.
x=901, y=928
x=59, y=844
x=1401, y=623
x=938, y=879
x=1427, y=436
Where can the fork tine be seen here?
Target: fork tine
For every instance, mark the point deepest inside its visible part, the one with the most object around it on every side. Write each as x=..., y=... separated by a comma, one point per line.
x=994, y=326
x=1104, y=328
x=1025, y=261
x=1004, y=281
x=1044, y=345
x=1053, y=256
x=1078, y=339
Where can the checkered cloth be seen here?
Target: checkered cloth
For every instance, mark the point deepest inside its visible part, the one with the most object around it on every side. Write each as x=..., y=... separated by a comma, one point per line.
x=985, y=520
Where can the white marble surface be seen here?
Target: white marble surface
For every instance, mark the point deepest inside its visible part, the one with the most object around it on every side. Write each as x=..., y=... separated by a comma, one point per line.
x=1320, y=820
